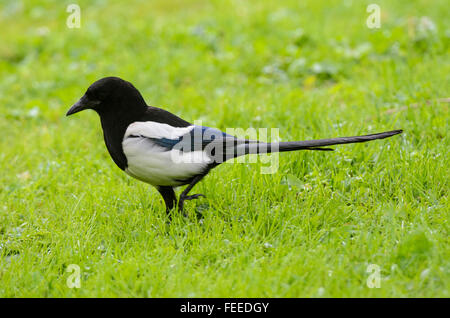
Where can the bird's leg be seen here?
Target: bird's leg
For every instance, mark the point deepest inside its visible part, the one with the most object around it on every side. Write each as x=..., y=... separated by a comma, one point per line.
x=184, y=196
x=169, y=197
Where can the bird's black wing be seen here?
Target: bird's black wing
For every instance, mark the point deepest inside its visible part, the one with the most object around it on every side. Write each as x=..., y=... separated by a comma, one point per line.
x=163, y=116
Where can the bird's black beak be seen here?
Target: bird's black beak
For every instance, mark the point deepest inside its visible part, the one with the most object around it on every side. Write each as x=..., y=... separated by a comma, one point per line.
x=82, y=104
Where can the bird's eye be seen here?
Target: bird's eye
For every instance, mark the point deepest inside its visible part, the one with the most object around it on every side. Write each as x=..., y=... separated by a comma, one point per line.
x=101, y=95
x=93, y=95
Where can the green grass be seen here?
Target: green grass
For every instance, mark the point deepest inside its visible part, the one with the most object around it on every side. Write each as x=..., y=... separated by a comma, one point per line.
x=312, y=69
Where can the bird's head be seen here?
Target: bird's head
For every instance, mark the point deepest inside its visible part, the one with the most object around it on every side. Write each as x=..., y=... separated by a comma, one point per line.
x=110, y=95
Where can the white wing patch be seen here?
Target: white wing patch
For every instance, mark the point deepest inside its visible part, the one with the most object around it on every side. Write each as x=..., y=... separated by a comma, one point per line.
x=156, y=165
x=153, y=129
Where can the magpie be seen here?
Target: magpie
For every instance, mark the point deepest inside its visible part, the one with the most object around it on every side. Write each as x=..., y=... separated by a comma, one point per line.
x=159, y=148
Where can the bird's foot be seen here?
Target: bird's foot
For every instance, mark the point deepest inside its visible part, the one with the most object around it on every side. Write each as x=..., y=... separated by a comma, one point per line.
x=194, y=196
x=188, y=197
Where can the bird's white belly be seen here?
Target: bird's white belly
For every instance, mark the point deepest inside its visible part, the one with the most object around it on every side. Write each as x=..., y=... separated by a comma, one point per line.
x=155, y=165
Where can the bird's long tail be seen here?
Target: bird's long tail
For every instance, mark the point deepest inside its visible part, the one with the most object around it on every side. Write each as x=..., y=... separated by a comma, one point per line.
x=259, y=147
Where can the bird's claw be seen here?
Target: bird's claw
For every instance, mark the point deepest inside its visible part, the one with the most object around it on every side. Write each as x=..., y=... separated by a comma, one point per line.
x=188, y=197
x=194, y=196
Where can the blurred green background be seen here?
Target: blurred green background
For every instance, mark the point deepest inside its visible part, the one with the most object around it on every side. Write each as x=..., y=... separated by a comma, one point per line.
x=313, y=69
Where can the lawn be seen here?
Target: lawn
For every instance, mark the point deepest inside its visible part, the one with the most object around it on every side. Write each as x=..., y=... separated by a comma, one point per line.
x=367, y=220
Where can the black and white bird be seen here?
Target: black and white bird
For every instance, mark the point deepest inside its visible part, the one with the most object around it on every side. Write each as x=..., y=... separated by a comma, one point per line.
x=159, y=148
